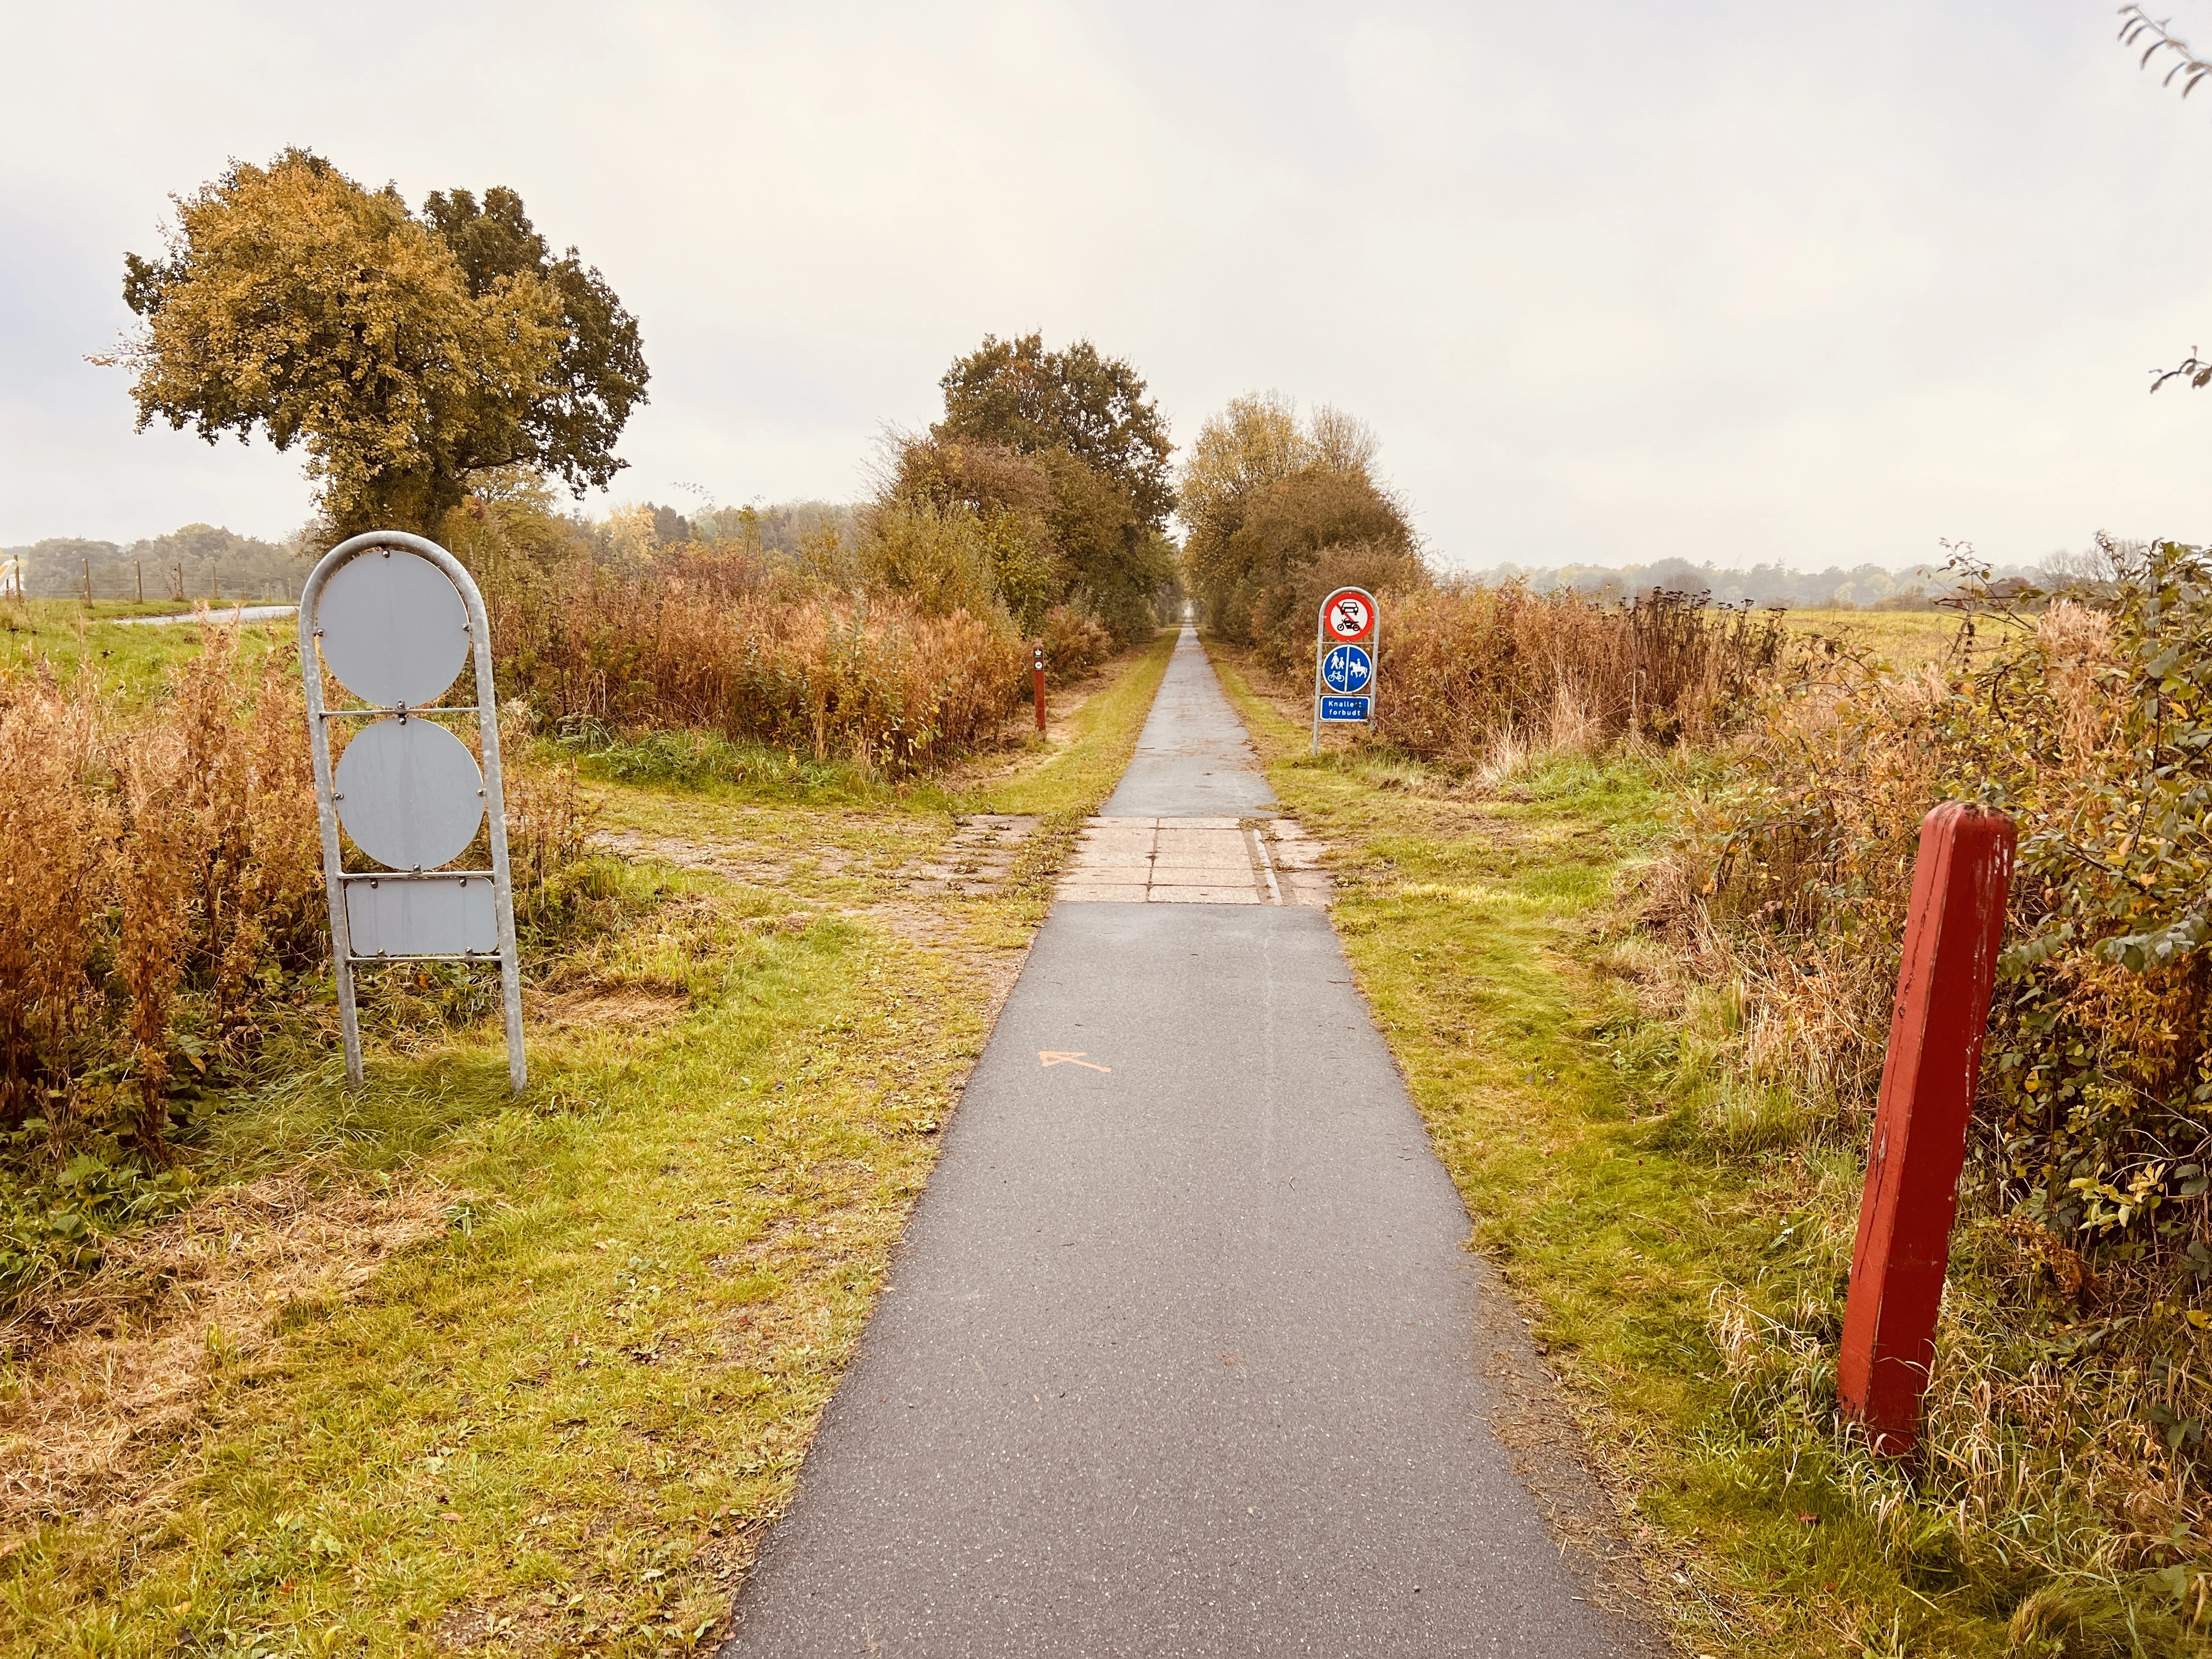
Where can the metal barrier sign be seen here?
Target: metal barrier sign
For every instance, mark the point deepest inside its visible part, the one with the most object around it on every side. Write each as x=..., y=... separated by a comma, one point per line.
x=1344, y=660
x=395, y=619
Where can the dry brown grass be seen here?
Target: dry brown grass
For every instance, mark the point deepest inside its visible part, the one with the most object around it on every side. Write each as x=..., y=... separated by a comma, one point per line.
x=591, y=1006
x=1472, y=676
x=165, y=934
x=719, y=641
x=172, y=850
x=102, y=1373
x=53, y=835
x=2068, y=1412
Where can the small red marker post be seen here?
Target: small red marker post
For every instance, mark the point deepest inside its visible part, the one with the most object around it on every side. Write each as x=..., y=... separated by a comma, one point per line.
x=1951, y=936
x=1036, y=685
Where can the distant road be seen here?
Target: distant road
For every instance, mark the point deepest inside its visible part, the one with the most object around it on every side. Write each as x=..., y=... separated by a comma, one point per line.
x=235, y=613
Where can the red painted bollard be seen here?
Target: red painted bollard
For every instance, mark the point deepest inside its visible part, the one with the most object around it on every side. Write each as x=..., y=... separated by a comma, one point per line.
x=1951, y=937
x=1036, y=685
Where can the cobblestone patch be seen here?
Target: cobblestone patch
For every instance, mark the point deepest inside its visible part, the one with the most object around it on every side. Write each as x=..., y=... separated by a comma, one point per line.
x=978, y=859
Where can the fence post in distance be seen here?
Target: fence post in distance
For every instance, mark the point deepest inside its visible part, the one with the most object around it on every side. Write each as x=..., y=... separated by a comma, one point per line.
x=1952, y=932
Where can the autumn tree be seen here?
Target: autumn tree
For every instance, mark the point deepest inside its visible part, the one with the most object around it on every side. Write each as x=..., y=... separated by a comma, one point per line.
x=404, y=354
x=1279, y=510
x=1097, y=452
x=998, y=502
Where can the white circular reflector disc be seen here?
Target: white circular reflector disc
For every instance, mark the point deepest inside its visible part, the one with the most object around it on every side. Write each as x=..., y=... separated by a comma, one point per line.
x=409, y=794
x=395, y=629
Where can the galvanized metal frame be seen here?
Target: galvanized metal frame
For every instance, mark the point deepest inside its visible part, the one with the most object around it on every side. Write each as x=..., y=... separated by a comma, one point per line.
x=485, y=709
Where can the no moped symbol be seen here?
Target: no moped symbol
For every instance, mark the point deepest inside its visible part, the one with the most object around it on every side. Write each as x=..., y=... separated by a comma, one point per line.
x=1348, y=616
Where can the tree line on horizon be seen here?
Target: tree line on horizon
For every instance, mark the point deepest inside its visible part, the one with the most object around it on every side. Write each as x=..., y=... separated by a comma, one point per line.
x=189, y=563
x=444, y=361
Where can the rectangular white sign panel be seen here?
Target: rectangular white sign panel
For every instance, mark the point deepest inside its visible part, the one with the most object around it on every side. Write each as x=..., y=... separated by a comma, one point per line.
x=440, y=915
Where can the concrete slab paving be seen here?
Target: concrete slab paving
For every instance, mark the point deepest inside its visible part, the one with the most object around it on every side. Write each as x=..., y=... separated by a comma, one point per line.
x=1164, y=894
x=1180, y=1357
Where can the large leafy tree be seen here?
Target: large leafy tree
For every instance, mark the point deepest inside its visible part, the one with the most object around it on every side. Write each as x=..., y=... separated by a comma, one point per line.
x=1280, y=509
x=601, y=375
x=1096, y=443
x=406, y=355
x=1016, y=393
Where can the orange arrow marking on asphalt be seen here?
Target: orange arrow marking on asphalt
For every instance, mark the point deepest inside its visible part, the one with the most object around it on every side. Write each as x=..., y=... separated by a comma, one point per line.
x=1052, y=1057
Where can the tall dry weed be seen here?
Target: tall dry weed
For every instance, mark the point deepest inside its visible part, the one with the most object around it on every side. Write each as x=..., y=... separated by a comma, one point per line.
x=151, y=861
x=717, y=640
x=1469, y=672
x=548, y=820
x=56, y=831
x=2069, y=1410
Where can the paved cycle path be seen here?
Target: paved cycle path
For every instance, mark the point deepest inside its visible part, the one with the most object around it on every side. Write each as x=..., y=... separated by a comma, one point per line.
x=1180, y=1353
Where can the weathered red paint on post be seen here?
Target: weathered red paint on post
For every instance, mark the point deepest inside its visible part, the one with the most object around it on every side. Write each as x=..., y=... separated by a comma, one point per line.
x=1951, y=937
x=1036, y=685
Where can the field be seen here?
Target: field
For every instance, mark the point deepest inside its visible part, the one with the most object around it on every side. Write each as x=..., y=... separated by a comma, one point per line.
x=132, y=659
x=429, y=1365
x=1904, y=638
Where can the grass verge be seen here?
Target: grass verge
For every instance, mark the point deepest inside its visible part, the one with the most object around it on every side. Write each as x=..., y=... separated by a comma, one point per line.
x=453, y=1370
x=1486, y=928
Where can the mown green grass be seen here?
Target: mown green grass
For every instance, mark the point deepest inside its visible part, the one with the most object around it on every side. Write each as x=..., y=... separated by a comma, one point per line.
x=562, y=1424
x=132, y=663
x=656, y=1264
x=1486, y=929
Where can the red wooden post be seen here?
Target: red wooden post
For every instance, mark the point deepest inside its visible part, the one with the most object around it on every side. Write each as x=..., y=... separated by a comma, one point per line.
x=1036, y=684
x=1911, y=1196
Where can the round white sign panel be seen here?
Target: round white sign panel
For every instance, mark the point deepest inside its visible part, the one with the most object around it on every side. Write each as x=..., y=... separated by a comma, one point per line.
x=395, y=629
x=409, y=794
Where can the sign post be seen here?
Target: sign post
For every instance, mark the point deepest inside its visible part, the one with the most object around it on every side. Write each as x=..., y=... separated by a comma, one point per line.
x=1345, y=640
x=1036, y=685
x=1952, y=932
x=395, y=618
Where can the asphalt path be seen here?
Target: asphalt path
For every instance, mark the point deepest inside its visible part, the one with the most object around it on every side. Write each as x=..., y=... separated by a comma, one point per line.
x=1181, y=1353
x=1193, y=759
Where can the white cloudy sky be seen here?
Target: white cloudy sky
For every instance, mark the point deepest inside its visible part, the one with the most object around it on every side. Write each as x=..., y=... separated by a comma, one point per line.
x=1727, y=280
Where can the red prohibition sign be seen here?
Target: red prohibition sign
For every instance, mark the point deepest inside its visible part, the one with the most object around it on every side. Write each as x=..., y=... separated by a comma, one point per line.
x=1348, y=615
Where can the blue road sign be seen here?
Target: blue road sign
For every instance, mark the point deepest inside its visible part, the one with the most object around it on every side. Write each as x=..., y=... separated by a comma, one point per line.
x=1345, y=708
x=1347, y=669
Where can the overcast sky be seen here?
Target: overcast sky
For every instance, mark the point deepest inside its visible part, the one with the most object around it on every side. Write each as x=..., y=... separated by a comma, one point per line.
x=1736, y=281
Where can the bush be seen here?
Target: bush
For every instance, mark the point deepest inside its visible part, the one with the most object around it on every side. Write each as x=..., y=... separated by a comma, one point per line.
x=1075, y=643
x=1281, y=511
x=1282, y=615
x=165, y=913
x=722, y=641
x=1467, y=672
x=2074, y=1352
x=172, y=855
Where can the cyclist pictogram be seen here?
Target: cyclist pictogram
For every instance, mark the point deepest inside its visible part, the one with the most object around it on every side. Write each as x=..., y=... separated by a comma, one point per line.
x=1346, y=670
